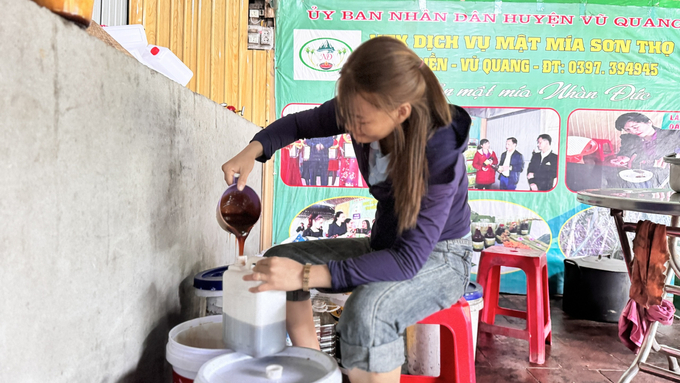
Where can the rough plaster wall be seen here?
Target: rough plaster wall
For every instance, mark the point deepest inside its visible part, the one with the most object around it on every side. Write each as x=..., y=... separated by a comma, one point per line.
x=110, y=178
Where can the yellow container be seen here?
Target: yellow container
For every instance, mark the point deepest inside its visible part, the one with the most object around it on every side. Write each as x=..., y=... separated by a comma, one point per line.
x=79, y=11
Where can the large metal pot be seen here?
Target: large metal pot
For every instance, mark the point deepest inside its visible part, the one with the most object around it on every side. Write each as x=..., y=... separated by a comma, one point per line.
x=595, y=288
x=674, y=161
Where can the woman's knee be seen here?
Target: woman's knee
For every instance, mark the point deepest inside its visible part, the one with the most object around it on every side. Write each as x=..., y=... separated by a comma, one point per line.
x=361, y=321
x=283, y=251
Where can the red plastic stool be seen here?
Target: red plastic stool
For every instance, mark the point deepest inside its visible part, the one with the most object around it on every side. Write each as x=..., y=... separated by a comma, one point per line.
x=604, y=149
x=456, y=348
x=534, y=264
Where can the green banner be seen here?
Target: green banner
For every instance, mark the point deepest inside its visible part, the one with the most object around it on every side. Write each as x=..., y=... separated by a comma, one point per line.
x=564, y=97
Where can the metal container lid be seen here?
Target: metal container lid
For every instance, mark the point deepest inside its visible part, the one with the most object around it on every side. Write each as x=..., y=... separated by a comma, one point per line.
x=298, y=364
x=604, y=263
x=210, y=280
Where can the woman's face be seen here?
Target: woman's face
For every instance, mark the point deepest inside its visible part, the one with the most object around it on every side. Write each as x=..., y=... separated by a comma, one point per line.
x=374, y=124
x=350, y=225
x=317, y=223
x=641, y=129
x=364, y=225
x=341, y=218
x=486, y=145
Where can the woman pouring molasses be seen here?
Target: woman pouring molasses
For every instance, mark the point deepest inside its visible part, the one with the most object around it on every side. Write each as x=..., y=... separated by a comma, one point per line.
x=409, y=145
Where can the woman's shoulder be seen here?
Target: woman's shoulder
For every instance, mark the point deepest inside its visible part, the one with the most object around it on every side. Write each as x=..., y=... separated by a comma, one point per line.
x=667, y=133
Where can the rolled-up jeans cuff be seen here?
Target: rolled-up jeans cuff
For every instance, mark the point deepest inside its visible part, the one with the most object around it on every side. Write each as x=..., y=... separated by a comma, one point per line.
x=383, y=358
x=297, y=295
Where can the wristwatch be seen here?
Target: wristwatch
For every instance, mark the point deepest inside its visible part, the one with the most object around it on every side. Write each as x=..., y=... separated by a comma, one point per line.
x=305, y=276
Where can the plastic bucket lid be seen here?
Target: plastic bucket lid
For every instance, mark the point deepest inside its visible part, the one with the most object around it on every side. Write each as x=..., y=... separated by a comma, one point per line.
x=473, y=291
x=299, y=365
x=192, y=343
x=210, y=280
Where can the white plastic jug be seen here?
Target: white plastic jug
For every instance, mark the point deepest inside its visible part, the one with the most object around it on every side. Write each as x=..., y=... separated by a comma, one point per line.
x=164, y=61
x=254, y=323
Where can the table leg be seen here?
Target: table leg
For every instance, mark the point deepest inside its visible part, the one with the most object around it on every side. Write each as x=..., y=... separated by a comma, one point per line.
x=675, y=222
x=623, y=237
x=674, y=259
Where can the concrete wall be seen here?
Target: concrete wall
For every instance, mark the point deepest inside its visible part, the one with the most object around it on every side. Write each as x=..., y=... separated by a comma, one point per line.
x=109, y=182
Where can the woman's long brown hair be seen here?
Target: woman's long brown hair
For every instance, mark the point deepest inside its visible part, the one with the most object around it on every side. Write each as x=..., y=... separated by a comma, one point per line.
x=386, y=73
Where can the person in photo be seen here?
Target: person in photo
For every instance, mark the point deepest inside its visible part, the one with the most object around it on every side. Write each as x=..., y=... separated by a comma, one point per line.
x=314, y=226
x=318, y=159
x=644, y=145
x=333, y=161
x=365, y=228
x=485, y=162
x=338, y=227
x=511, y=165
x=542, y=170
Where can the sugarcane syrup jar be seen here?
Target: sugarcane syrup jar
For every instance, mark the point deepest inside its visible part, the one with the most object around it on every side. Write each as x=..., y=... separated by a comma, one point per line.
x=254, y=323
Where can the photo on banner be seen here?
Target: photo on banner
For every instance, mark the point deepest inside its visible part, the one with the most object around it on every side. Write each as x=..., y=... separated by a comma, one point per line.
x=507, y=224
x=592, y=232
x=326, y=161
x=513, y=149
x=341, y=217
x=620, y=149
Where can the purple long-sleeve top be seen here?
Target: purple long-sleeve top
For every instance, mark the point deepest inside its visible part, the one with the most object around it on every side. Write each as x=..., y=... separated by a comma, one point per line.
x=444, y=210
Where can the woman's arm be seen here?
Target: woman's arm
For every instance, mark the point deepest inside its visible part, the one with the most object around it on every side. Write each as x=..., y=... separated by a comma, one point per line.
x=317, y=122
x=410, y=251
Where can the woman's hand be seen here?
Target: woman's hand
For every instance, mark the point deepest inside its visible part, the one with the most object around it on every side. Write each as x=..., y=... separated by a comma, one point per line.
x=276, y=273
x=284, y=274
x=243, y=164
x=620, y=161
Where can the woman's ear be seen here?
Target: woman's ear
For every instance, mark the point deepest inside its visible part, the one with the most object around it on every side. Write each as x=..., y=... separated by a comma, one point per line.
x=403, y=112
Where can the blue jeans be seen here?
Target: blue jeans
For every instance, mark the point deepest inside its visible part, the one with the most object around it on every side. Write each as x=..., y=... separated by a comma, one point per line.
x=506, y=184
x=376, y=314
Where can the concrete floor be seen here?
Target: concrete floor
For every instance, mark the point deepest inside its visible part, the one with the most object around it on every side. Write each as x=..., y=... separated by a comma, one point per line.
x=582, y=351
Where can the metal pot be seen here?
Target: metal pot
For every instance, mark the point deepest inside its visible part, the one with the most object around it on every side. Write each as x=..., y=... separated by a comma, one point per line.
x=674, y=161
x=595, y=288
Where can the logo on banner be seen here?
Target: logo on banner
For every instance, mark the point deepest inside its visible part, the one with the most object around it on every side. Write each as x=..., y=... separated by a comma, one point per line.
x=319, y=54
x=325, y=54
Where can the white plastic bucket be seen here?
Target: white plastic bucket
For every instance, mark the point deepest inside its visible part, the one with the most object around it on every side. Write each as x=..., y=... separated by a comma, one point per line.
x=475, y=307
x=474, y=295
x=191, y=344
x=208, y=287
x=213, y=302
